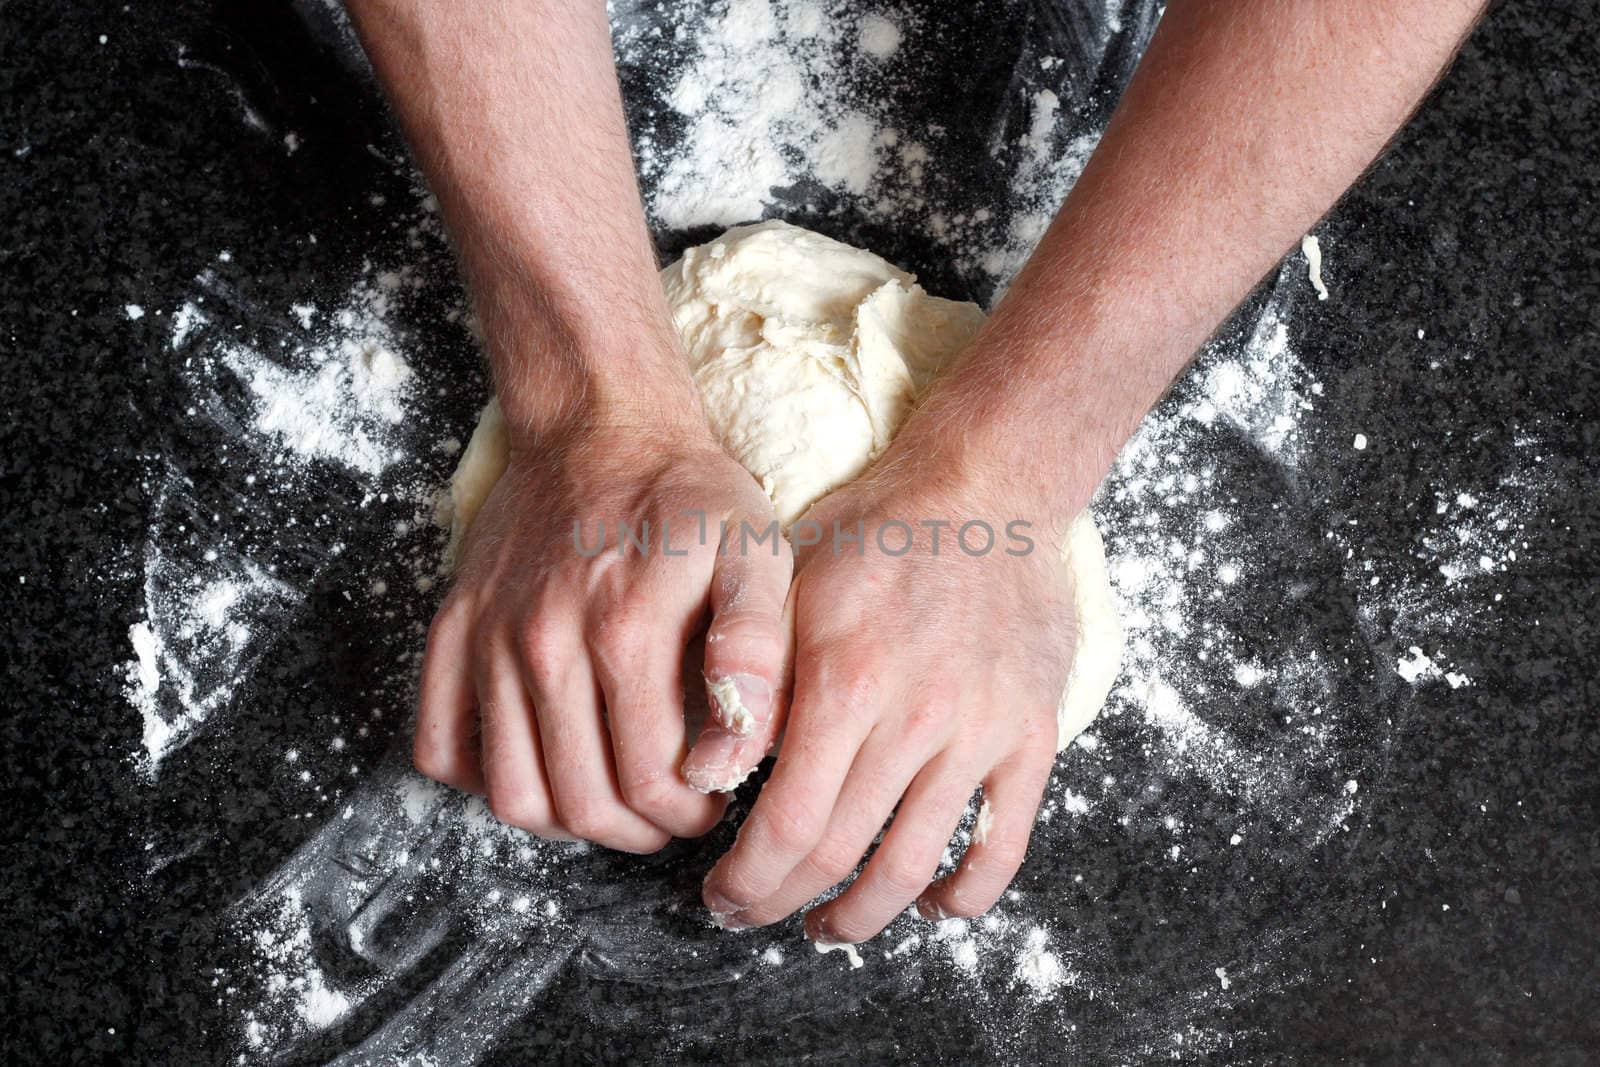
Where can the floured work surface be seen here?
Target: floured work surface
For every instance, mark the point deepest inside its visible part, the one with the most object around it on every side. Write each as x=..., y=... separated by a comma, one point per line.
x=1319, y=543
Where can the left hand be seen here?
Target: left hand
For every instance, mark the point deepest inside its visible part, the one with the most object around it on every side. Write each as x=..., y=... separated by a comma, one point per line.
x=918, y=677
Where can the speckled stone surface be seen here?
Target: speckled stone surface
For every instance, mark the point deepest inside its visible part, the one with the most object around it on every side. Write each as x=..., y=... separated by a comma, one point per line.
x=124, y=167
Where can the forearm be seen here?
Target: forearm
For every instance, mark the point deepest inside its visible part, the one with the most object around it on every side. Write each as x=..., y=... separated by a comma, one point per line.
x=515, y=116
x=1244, y=122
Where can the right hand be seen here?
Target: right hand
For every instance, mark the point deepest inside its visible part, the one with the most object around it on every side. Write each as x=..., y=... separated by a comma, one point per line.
x=566, y=666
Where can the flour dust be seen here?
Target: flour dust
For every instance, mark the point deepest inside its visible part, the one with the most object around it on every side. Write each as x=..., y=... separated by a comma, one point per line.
x=1227, y=745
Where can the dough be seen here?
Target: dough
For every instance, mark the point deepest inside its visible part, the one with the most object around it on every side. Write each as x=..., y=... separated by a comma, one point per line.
x=809, y=354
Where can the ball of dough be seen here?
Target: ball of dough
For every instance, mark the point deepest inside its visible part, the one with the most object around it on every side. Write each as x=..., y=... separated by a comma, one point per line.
x=808, y=354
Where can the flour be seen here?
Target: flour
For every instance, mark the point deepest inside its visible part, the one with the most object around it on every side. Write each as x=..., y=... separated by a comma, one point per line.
x=1220, y=752
x=774, y=100
x=198, y=641
x=144, y=680
x=1049, y=163
x=1417, y=666
x=359, y=885
x=1040, y=970
x=336, y=411
x=184, y=322
x=983, y=823
x=1260, y=391
x=333, y=394
x=763, y=108
x=880, y=38
x=292, y=977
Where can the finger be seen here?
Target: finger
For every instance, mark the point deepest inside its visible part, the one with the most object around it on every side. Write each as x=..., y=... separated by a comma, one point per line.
x=1011, y=795
x=877, y=780
x=446, y=744
x=513, y=763
x=577, y=745
x=832, y=710
x=639, y=664
x=749, y=649
x=904, y=863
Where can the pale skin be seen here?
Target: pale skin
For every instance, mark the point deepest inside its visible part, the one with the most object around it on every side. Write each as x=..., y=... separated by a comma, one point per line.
x=551, y=681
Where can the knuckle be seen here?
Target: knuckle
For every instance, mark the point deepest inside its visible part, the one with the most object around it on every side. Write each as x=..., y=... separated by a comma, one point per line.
x=1040, y=733
x=792, y=827
x=437, y=752
x=540, y=643
x=854, y=681
x=902, y=880
x=747, y=633
x=926, y=720
x=587, y=817
x=765, y=913
x=957, y=905
x=834, y=861
x=444, y=633
x=652, y=795
x=618, y=629
x=516, y=807
x=430, y=760
x=1006, y=852
x=439, y=629
x=451, y=614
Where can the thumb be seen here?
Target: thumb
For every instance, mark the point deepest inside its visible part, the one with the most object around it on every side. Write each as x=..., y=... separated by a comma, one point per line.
x=749, y=654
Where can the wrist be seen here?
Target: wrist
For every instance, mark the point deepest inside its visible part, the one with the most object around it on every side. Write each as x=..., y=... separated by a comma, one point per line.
x=993, y=447
x=561, y=389
x=564, y=366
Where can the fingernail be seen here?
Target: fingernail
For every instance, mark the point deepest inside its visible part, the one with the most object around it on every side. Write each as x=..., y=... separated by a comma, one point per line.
x=741, y=702
x=931, y=911
x=724, y=912
x=817, y=929
x=707, y=769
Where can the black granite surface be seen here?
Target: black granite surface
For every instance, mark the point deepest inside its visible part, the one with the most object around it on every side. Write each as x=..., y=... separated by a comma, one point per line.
x=125, y=166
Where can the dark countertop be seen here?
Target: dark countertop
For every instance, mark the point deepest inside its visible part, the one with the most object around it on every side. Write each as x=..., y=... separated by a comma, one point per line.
x=1449, y=912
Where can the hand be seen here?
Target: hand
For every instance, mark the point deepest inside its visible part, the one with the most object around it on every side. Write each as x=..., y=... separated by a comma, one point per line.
x=917, y=677
x=569, y=663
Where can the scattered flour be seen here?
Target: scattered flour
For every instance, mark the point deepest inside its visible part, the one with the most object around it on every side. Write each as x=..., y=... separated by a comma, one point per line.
x=335, y=395
x=983, y=824
x=763, y=108
x=1040, y=970
x=1213, y=739
x=774, y=102
x=880, y=38
x=1417, y=666
x=291, y=977
x=339, y=410
x=199, y=638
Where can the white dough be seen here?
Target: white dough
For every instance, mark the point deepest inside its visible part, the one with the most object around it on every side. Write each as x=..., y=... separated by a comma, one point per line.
x=1313, y=253
x=809, y=354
